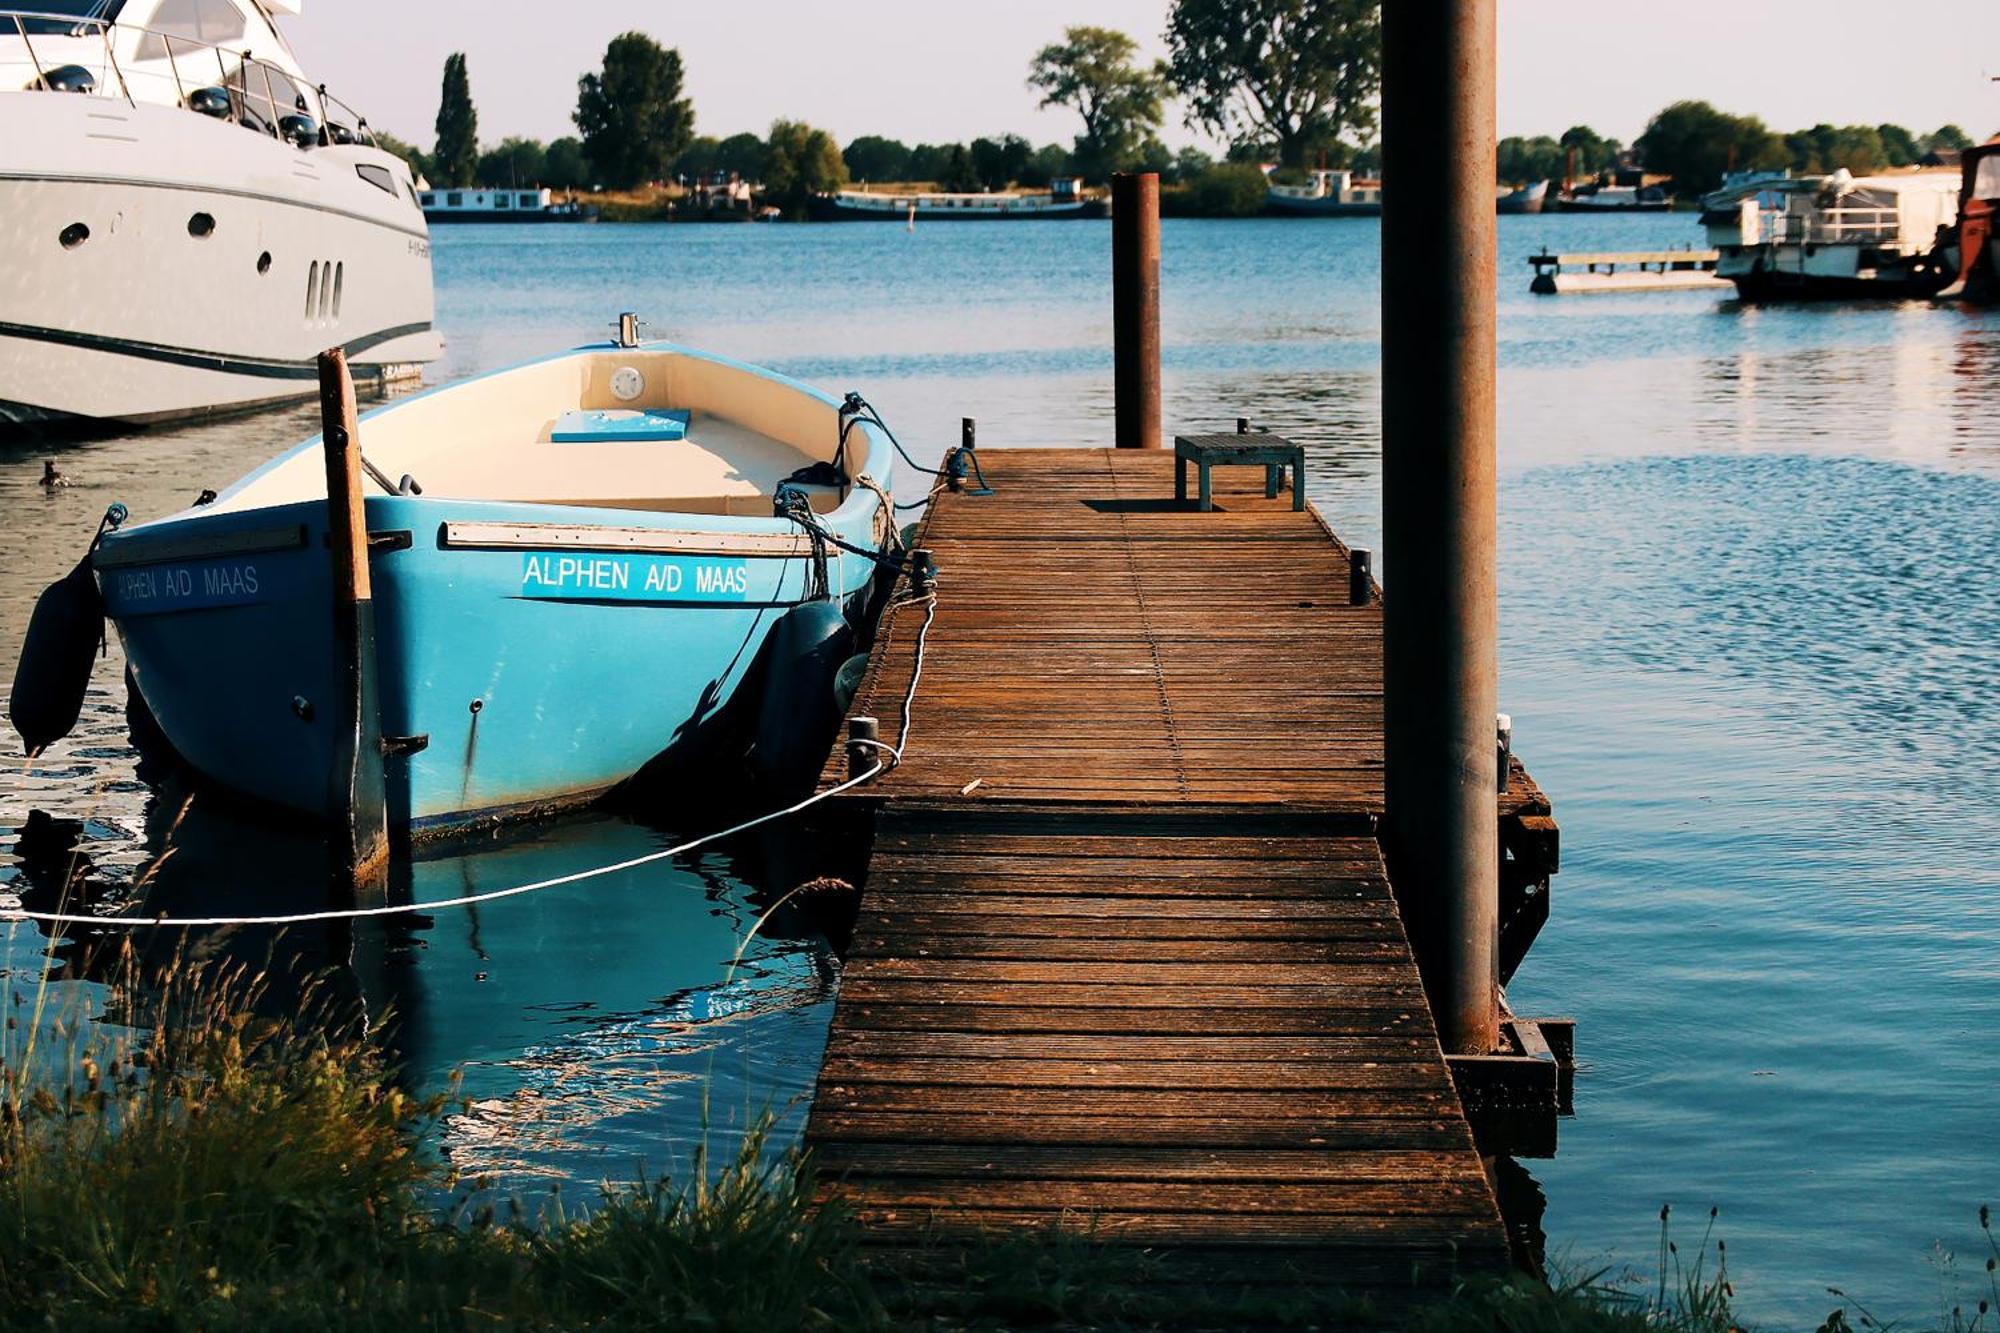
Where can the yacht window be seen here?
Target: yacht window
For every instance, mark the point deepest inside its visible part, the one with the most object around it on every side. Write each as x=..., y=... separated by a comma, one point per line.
x=376, y=176
x=211, y=21
x=428, y=200
x=529, y=200
x=454, y=199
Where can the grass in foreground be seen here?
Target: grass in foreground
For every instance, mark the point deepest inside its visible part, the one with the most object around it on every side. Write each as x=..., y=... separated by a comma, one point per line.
x=231, y=1172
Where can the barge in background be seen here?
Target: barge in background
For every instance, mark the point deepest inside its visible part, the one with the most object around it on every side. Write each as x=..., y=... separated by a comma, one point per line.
x=1065, y=198
x=498, y=205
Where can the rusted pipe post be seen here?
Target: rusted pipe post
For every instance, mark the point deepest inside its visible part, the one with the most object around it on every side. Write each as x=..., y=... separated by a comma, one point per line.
x=1135, y=307
x=1439, y=612
x=357, y=801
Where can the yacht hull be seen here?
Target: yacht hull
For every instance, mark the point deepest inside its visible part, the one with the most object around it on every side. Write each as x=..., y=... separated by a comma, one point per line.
x=167, y=264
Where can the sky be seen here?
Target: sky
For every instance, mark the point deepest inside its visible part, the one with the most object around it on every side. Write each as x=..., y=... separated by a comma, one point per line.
x=949, y=70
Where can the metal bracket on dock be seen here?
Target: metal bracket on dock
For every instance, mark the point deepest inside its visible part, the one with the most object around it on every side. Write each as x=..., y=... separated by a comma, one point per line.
x=1514, y=1097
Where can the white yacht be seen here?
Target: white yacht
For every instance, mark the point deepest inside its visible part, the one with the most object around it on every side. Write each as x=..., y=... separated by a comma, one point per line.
x=1325, y=194
x=1780, y=237
x=187, y=219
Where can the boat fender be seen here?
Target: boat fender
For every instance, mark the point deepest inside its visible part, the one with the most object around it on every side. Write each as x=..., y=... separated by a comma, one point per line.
x=847, y=682
x=64, y=635
x=54, y=670
x=797, y=717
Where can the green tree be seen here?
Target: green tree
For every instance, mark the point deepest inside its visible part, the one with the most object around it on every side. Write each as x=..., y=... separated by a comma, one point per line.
x=566, y=168
x=1692, y=142
x=1296, y=74
x=420, y=162
x=633, y=118
x=930, y=161
x=874, y=158
x=1899, y=144
x=1000, y=162
x=1948, y=137
x=1091, y=71
x=1189, y=164
x=800, y=162
x=514, y=162
x=1594, y=153
x=1517, y=161
x=1230, y=190
x=1048, y=162
x=742, y=154
x=1827, y=148
x=457, y=155
x=697, y=159
x=956, y=174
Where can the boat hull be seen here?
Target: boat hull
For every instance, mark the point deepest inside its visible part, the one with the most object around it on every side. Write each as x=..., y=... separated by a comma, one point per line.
x=524, y=671
x=1827, y=272
x=167, y=264
x=1321, y=208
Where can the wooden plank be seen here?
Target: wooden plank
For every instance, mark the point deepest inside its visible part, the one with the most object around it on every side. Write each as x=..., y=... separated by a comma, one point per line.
x=1126, y=959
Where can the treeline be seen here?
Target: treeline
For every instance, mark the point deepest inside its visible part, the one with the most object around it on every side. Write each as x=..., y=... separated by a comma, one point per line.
x=1292, y=81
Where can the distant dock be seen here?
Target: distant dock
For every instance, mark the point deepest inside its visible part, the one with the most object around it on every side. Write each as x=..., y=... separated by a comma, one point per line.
x=1633, y=271
x=1127, y=958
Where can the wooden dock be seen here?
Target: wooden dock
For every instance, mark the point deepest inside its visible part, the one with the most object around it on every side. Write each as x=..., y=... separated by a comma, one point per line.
x=1127, y=959
x=1627, y=271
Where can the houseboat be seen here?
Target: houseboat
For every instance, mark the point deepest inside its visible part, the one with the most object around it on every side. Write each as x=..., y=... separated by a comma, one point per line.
x=1065, y=198
x=1612, y=199
x=1838, y=235
x=1324, y=194
x=189, y=225
x=501, y=205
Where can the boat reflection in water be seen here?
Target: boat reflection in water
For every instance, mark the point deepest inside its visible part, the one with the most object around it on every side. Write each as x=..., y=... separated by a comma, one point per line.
x=602, y=1029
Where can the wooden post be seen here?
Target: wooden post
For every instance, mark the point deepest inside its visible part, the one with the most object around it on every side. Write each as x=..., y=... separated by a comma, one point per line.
x=1439, y=609
x=1135, y=307
x=357, y=801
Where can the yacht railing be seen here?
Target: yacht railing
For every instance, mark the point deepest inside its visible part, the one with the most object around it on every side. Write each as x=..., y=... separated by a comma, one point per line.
x=246, y=91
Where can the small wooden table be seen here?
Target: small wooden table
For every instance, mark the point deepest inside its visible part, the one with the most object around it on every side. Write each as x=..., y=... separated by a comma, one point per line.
x=1249, y=449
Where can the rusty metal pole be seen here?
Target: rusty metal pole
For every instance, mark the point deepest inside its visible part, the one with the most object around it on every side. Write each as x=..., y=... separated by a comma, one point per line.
x=1439, y=610
x=1135, y=307
x=357, y=801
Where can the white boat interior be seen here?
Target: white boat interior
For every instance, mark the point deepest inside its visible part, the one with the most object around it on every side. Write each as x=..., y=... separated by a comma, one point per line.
x=646, y=428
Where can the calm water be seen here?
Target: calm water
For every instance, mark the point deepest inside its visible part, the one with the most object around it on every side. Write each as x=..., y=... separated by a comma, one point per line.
x=1748, y=622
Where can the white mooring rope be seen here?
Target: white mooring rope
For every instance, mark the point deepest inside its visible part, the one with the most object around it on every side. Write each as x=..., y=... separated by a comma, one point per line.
x=467, y=900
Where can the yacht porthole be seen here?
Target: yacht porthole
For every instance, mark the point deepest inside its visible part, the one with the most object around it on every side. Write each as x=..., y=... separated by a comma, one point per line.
x=201, y=226
x=73, y=235
x=264, y=262
x=627, y=383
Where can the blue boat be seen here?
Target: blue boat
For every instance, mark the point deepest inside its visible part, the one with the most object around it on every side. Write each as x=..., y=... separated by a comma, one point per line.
x=582, y=572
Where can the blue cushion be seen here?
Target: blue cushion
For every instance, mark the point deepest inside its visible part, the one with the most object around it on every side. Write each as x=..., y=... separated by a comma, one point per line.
x=597, y=426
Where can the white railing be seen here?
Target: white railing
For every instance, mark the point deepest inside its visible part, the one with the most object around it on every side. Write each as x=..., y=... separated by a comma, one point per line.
x=171, y=69
x=1831, y=225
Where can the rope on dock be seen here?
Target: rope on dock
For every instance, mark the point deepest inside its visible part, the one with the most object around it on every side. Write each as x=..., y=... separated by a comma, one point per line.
x=574, y=877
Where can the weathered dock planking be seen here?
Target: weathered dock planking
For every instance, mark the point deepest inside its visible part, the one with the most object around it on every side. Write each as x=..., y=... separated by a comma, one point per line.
x=1127, y=958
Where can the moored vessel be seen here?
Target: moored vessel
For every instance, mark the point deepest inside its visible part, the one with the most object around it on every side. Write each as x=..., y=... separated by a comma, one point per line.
x=611, y=560
x=1065, y=198
x=189, y=217
x=1324, y=193
x=537, y=204
x=1528, y=198
x=1834, y=236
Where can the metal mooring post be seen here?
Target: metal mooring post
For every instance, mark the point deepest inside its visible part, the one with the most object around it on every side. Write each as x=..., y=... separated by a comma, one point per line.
x=357, y=801
x=1439, y=610
x=1135, y=307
